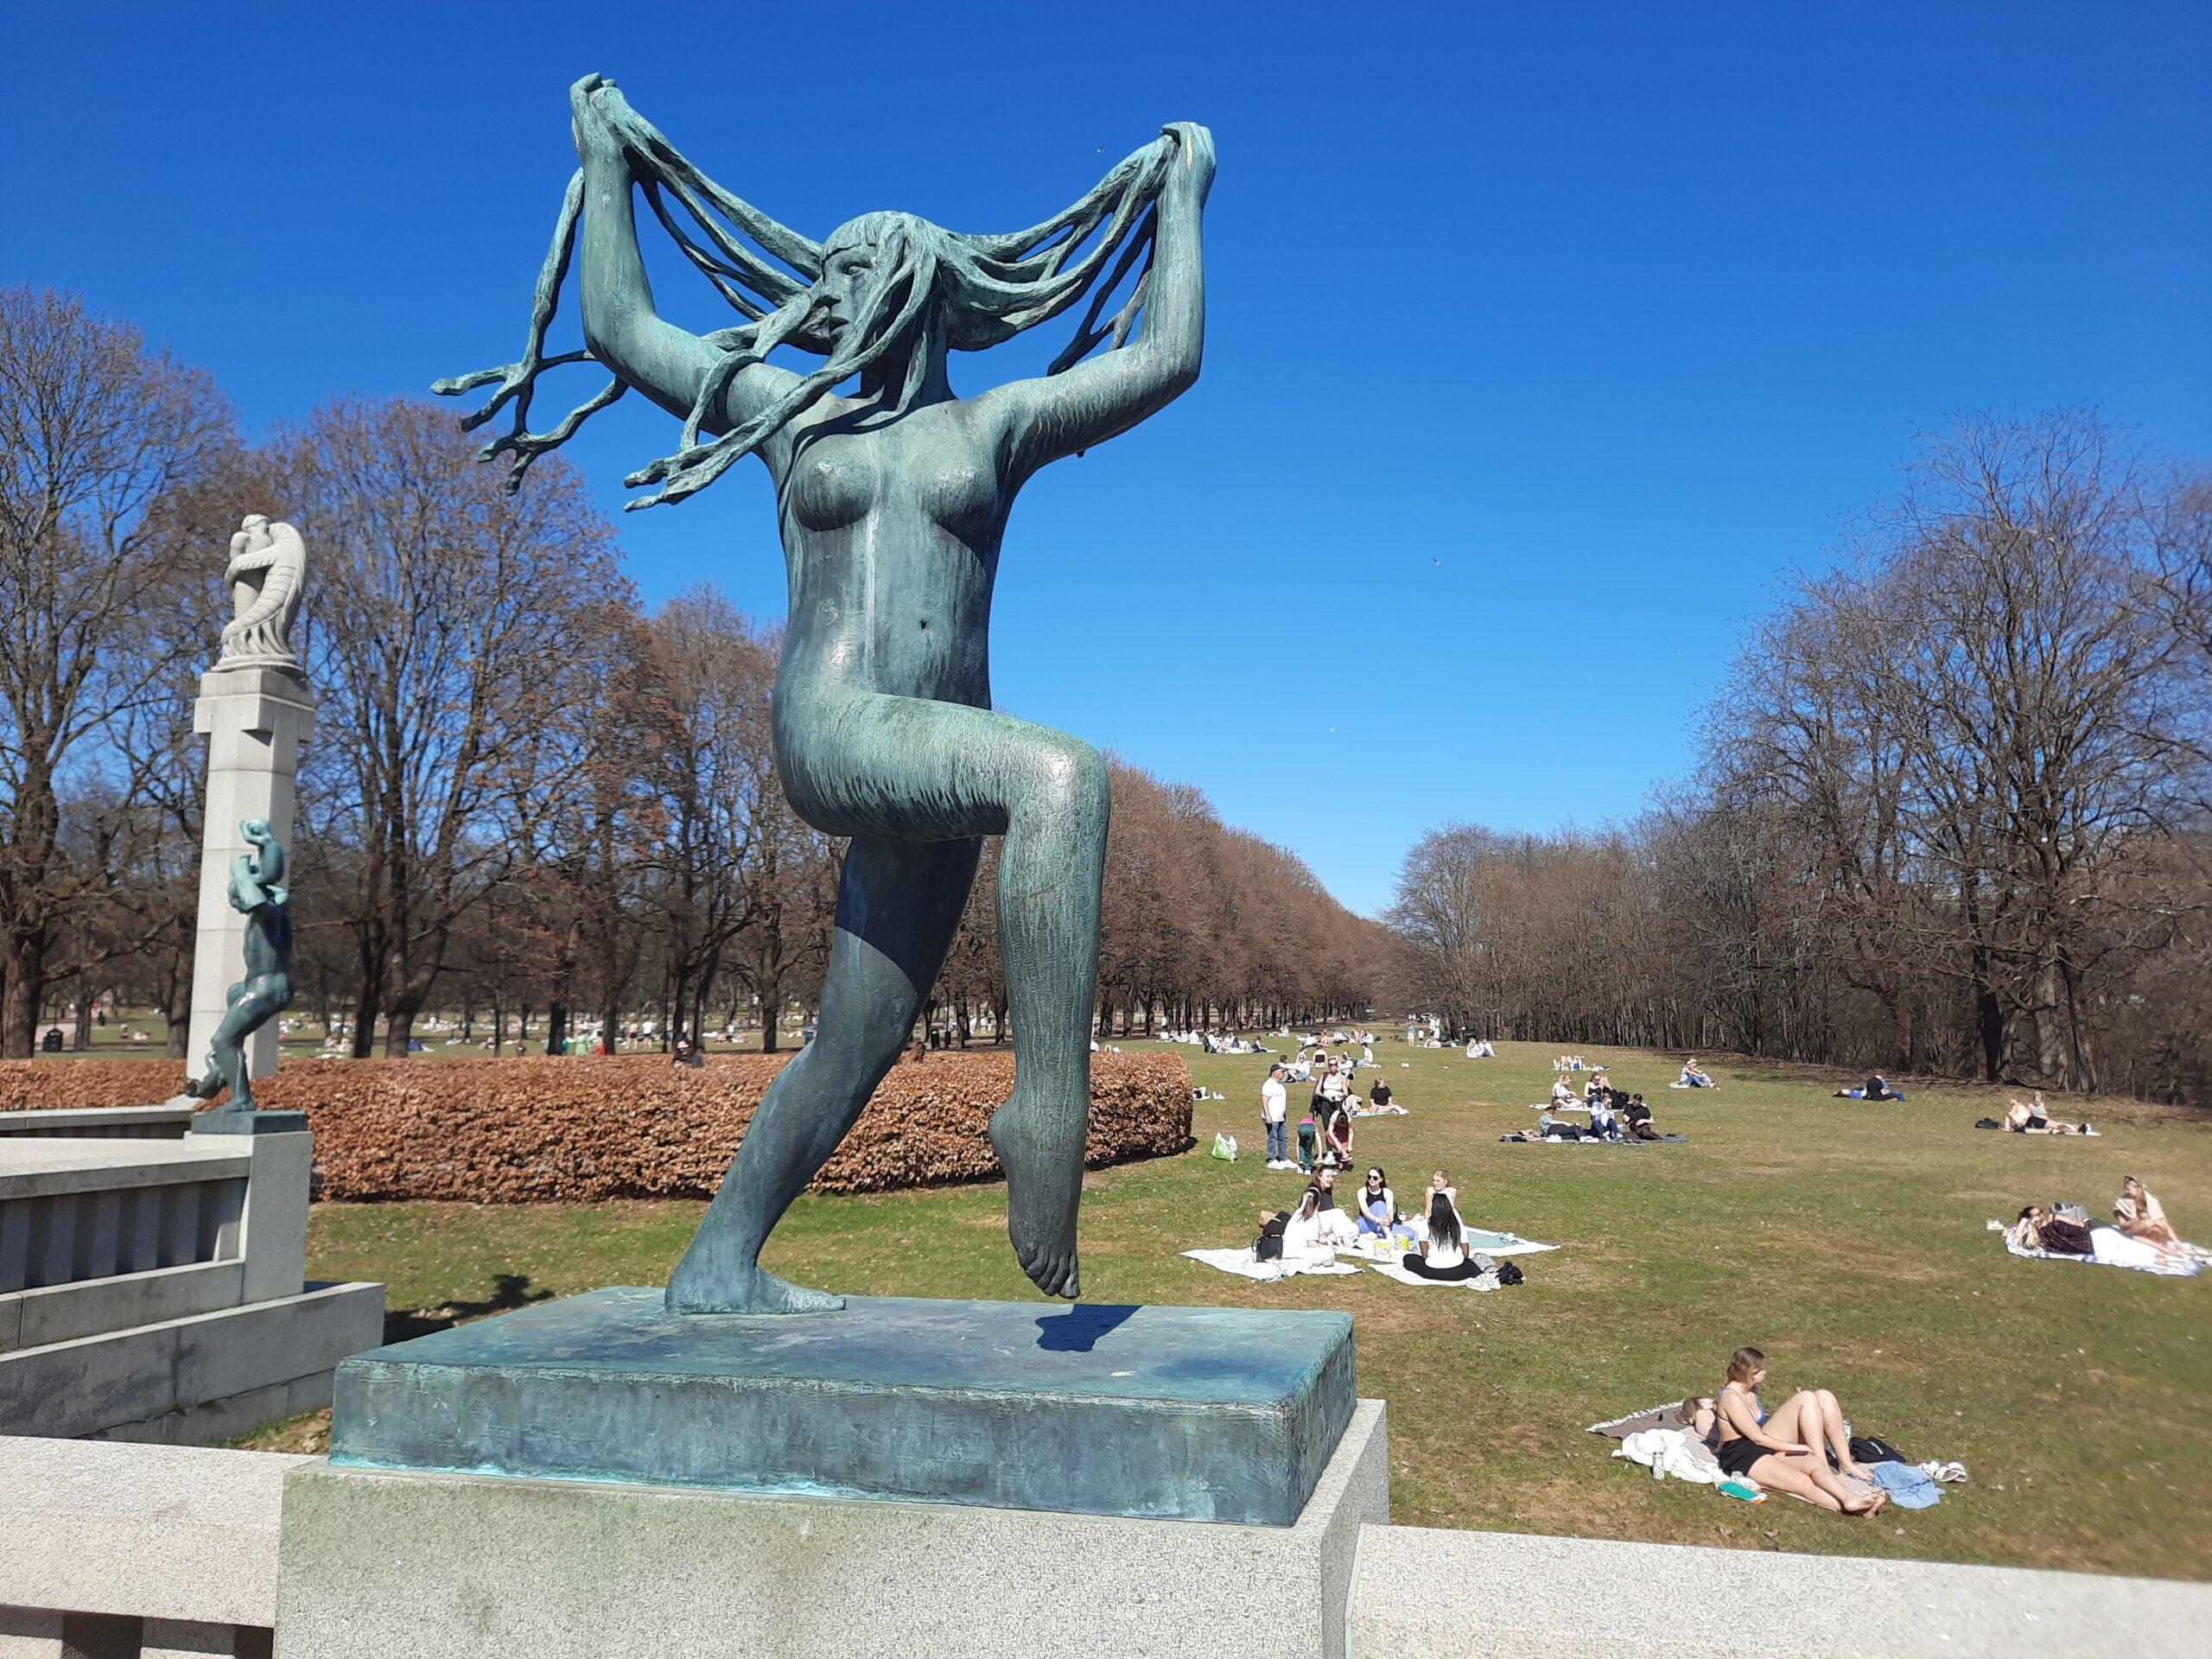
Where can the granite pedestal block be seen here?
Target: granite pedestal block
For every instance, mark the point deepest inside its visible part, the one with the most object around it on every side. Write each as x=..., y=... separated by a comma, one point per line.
x=376, y=1565
x=1222, y=1414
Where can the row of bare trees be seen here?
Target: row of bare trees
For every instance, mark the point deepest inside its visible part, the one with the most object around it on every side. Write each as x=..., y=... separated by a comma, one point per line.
x=1951, y=814
x=526, y=796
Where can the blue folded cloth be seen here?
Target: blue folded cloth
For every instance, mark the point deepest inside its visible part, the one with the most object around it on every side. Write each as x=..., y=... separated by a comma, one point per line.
x=1909, y=1488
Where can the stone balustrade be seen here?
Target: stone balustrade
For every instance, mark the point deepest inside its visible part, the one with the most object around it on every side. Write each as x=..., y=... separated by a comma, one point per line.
x=154, y=1288
x=100, y=1124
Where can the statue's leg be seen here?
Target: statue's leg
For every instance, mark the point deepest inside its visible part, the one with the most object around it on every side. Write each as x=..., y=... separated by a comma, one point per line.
x=898, y=905
x=904, y=765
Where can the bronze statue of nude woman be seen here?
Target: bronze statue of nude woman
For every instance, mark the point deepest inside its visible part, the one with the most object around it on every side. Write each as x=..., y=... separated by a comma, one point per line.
x=893, y=502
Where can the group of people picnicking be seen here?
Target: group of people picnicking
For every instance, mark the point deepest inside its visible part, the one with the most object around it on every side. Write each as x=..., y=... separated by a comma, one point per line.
x=1434, y=1238
x=1615, y=1115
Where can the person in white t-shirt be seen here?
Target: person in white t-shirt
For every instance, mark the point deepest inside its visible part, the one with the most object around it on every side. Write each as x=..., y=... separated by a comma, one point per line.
x=1274, y=1109
x=1443, y=1254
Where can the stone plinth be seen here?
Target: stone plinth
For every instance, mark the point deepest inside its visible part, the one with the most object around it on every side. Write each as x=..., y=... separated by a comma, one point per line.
x=1208, y=1414
x=407, y=1565
x=255, y=720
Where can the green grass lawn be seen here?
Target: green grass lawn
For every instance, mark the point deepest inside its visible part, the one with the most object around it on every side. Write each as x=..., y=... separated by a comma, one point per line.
x=1844, y=1238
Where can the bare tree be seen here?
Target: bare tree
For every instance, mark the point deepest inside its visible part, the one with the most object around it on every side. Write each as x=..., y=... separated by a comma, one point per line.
x=96, y=431
x=456, y=641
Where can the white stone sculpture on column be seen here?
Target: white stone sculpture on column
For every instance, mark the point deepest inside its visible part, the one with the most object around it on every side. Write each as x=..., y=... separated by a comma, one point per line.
x=255, y=709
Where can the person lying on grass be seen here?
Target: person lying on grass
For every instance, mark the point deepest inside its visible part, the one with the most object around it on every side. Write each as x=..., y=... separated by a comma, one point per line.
x=2037, y=1229
x=1787, y=1451
x=1875, y=1088
x=2032, y=1117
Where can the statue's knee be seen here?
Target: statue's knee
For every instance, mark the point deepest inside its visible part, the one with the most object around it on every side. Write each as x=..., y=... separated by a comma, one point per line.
x=1074, y=777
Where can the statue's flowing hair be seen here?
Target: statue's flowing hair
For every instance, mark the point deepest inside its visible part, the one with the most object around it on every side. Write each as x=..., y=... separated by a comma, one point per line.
x=971, y=291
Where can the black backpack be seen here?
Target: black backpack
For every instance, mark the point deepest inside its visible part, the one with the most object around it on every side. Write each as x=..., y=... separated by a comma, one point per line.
x=1509, y=1273
x=1872, y=1448
x=1268, y=1246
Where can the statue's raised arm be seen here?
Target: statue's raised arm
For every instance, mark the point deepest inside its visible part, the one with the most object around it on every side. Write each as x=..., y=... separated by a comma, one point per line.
x=1066, y=412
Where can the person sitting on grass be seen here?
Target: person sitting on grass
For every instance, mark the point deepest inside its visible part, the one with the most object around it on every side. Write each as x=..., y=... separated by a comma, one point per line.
x=1637, y=1119
x=1695, y=1076
x=2032, y=1117
x=1304, y=1242
x=1603, y=1126
x=1788, y=1450
x=1443, y=1254
x=1562, y=1094
x=1379, y=1099
x=2139, y=1215
x=685, y=1054
x=1337, y=1224
x=1379, y=1206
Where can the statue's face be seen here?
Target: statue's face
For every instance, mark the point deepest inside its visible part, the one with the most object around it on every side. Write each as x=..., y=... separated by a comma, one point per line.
x=846, y=274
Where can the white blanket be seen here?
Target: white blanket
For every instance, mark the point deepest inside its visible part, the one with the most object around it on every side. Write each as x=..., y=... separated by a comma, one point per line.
x=1245, y=1265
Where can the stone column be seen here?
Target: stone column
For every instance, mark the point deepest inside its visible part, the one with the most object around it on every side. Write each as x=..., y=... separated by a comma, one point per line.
x=255, y=718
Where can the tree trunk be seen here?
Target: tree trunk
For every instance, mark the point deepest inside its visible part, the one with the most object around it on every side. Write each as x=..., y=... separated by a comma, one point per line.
x=25, y=992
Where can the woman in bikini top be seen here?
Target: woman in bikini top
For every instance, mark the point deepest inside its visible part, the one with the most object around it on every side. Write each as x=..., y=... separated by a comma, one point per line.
x=1785, y=1451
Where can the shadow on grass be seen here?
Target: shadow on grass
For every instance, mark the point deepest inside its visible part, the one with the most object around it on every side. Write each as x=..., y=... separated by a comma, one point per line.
x=508, y=1291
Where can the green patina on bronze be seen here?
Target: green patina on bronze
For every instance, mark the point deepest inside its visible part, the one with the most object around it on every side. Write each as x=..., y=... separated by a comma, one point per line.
x=256, y=891
x=1200, y=1414
x=893, y=504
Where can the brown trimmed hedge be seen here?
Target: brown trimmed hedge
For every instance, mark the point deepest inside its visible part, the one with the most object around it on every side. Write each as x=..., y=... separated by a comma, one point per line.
x=524, y=1131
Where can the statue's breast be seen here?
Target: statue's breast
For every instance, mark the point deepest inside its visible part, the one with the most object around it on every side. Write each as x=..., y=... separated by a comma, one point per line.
x=835, y=484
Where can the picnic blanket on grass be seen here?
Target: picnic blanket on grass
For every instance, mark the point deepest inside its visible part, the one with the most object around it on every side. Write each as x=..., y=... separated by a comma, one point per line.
x=2112, y=1251
x=1245, y=1265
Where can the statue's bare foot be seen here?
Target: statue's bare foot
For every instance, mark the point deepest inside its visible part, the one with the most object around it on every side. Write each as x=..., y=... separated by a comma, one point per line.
x=745, y=1290
x=1041, y=1149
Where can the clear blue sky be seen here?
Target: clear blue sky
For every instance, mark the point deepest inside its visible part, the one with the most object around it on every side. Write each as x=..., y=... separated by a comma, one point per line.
x=1544, y=339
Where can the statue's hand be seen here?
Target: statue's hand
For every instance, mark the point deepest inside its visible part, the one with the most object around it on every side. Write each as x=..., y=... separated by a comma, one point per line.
x=1193, y=167
x=587, y=124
